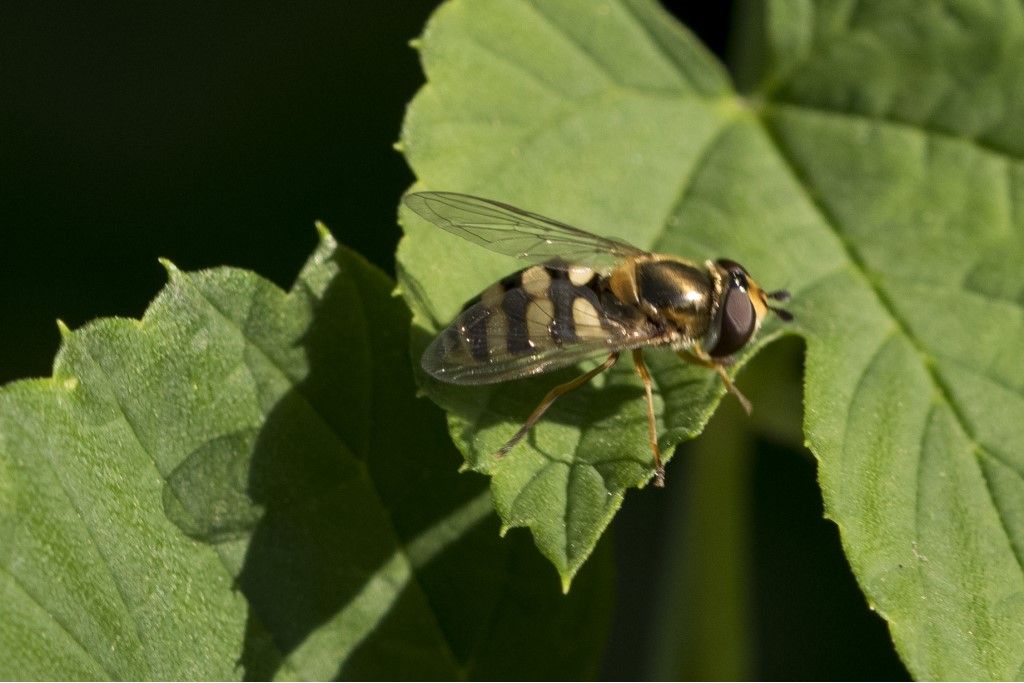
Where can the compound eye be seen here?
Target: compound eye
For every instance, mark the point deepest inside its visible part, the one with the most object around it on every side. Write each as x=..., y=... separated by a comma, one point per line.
x=737, y=273
x=731, y=265
x=737, y=326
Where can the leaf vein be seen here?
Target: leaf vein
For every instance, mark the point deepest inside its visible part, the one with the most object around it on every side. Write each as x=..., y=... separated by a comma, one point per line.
x=662, y=48
x=862, y=270
x=135, y=434
x=551, y=462
x=1017, y=546
x=400, y=546
x=95, y=541
x=977, y=372
x=918, y=497
x=920, y=128
x=571, y=40
x=517, y=65
x=687, y=182
x=875, y=356
x=60, y=622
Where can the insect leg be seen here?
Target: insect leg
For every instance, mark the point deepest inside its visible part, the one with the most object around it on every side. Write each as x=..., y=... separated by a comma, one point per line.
x=744, y=401
x=550, y=398
x=699, y=357
x=652, y=429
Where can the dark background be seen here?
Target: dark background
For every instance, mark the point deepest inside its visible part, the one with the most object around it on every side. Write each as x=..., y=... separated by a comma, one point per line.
x=216, y=133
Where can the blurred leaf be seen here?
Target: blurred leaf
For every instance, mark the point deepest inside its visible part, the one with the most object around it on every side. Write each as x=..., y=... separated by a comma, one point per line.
x=876, y=173
x=705, y=622
x=244, y=484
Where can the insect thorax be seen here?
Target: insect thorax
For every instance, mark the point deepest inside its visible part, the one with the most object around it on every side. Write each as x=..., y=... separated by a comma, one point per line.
x=679, y=293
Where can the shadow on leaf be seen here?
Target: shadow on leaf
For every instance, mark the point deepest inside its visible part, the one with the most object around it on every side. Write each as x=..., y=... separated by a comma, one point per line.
x=360, y=551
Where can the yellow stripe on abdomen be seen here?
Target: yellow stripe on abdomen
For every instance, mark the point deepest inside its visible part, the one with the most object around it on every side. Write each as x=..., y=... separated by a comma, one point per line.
x=539, y=315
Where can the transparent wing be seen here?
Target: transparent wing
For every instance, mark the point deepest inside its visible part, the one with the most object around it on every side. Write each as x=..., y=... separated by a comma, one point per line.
x=526, y=336
x=514, y=232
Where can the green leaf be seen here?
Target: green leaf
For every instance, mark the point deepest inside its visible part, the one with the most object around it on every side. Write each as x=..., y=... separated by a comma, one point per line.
x=556, y=116
x=875, y=171
x=244, y=484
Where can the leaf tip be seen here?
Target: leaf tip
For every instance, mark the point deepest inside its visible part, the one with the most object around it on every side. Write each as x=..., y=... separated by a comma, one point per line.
x=398, y=146
x=322, y=231
x=566, y=583
x=416, y=44
x=65, y=331
x=172, y=270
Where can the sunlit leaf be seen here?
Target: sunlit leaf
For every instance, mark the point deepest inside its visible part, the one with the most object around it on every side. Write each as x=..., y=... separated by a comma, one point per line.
x=875, y=170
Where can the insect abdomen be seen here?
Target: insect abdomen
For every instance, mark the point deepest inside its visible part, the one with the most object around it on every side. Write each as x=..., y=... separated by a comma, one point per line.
x=534, y=309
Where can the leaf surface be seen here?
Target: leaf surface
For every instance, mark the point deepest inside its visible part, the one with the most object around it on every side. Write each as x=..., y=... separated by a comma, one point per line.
x=244, y=484
x=875, y=170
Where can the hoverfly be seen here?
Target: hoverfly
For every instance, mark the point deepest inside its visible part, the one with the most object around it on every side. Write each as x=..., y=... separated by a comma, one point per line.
x=585, y=295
